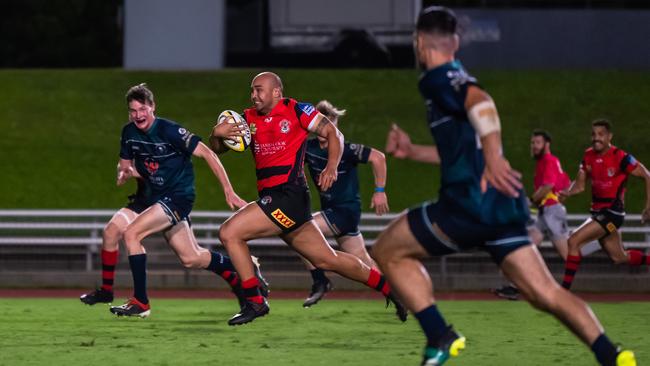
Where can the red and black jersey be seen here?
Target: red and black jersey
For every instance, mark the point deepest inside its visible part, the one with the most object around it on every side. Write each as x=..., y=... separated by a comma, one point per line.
x=278, y=142
x=608, y=173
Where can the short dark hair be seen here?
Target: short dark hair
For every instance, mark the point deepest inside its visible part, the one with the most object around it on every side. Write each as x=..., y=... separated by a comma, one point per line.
x=140, y=93
x=547, y=136
x=437, y=19
x=602, y=122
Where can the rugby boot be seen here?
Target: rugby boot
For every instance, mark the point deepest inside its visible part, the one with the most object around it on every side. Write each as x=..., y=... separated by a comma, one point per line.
x=249, y=312
x=99, y=295
x=625, y=358
x=508, y=292
x=318, y=290
x=449, y=345
x=133, y=307
x=400, y=310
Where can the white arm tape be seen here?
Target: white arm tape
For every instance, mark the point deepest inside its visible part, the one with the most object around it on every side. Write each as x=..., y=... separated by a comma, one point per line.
x=484, y=118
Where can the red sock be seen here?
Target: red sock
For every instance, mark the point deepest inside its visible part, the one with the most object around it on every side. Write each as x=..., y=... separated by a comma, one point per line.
x=230, y=277
x=570, y=269
x=637, y=258
x=377, y=281
x=251, y=288
x=109, y=260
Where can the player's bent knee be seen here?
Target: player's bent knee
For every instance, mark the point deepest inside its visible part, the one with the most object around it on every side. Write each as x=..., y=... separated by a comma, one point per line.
x=111, y=236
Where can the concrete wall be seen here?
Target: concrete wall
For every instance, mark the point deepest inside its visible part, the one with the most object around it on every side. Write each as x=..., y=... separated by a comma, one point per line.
x=174, y=34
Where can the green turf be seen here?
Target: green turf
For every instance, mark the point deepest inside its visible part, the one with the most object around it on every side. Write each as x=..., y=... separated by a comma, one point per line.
x=336, y=332
x=61, y=127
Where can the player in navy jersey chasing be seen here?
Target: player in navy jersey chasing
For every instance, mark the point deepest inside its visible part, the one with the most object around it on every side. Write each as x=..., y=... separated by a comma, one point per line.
x=279, y=127
x=159, y=152
x=341, y=204
x=480, y=204
x=607, y=167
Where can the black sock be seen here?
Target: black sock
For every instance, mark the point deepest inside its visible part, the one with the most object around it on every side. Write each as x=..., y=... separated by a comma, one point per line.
x=318, y=275
x=222, y=265
x=432, y=324
x=138, y=265
x=604, y=350
x=219, y=263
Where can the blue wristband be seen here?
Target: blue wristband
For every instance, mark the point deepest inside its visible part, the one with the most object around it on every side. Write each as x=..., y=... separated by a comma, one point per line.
x=380, y=189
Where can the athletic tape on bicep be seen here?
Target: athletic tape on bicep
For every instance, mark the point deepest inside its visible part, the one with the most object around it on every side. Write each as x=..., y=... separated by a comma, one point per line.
x=484, y=118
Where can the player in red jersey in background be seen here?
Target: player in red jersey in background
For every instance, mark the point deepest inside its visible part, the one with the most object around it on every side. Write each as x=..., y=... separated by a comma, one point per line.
x=608, y=168
x=279, y=127
x=551, y=219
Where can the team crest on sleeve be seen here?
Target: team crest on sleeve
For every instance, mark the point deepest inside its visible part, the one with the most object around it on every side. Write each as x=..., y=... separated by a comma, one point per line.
x=285, y=126
x=306, y=108
x=182, y=131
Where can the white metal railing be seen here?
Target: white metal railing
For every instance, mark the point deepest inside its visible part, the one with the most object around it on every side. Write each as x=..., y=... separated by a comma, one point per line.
x=40, y=227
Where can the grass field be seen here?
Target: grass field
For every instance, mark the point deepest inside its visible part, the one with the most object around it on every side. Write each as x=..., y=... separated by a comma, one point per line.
x=336, y=332
x=61, y=127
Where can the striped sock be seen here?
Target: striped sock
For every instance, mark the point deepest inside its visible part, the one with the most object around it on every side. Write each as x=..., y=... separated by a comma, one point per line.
x=570, y=269
x=221, y=265
x=251, y=289
x=637, y=258
x=378, y=282
x=109, y=261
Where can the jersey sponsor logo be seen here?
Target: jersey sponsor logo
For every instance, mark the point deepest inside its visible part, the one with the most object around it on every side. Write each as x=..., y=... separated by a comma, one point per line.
x=151, y=165
x=282, y=219
x=307, y=108
x=266, y=200
x=610, y=172
x=285, y=126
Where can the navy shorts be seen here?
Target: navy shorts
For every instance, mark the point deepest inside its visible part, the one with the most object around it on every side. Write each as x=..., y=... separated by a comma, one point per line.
x=465, y=232
x=343, y=221
x=177, y=208
x=609, y=220
x=287, y=205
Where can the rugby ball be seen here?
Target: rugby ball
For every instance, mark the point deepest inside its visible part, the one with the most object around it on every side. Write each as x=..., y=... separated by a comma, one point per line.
x=240, y=143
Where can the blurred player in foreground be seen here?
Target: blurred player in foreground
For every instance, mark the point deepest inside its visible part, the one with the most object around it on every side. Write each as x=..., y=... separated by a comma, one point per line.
x=481, y=204
x=608, y=168
x=341, y=204
x=279, y=127
x=160, y=152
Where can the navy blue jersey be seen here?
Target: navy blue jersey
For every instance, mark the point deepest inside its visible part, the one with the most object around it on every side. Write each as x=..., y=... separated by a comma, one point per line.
x=445, y=88
x=162, y=156
x=345, y=191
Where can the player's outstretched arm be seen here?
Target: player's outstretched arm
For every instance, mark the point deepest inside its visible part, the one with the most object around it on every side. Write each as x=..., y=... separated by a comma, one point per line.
x=398, y=144
x=324, y=128
x=641, y=172
x=232, y=199
x=576, y=187
x=484, y=118
x=379, y=201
